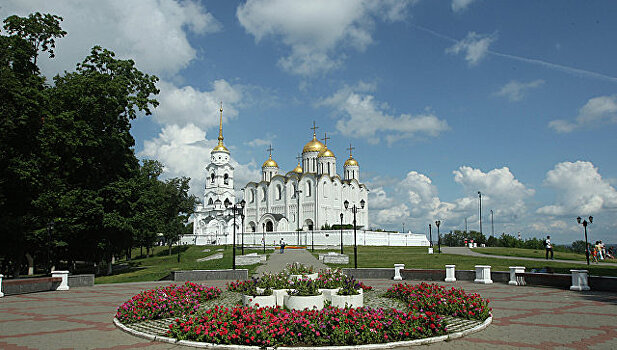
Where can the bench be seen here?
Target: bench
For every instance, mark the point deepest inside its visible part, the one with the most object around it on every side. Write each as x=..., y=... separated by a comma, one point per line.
x=30, y=285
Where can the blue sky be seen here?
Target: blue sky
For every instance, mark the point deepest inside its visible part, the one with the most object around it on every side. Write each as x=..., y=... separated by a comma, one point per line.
x=441, y=99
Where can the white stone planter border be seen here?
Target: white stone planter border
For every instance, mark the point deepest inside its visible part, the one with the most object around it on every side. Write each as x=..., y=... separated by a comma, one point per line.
x=311, y=276
x=261, y=300
x=430, y=250
x=450, y=273
x=279, y=296
x=343, y=301
x=513, y=280
x=304, y=302
x=328, y=293
x=483, y=274
x=405, y=343
x=579, y=280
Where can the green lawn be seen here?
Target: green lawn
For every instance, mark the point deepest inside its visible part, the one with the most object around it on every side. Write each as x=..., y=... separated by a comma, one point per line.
x=159, y=265
x=528, y=253
x=418, y=257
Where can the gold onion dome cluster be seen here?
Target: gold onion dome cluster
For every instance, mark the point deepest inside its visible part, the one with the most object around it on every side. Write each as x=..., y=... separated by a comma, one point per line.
x=313, y=146
x=270, y=163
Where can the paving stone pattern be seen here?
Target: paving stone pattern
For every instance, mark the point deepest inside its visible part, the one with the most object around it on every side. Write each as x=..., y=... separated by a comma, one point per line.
x=524, y=317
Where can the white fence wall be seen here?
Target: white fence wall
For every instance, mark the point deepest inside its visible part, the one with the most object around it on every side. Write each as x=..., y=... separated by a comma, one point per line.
x=324, y=238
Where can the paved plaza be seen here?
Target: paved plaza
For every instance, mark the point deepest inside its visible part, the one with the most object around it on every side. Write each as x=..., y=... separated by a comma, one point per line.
x=524, y=317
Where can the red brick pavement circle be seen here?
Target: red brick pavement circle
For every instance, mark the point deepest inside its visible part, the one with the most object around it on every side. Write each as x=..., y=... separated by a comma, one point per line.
x=523, y=317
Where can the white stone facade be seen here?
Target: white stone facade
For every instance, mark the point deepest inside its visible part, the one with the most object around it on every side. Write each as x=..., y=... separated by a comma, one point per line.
x=307, y=198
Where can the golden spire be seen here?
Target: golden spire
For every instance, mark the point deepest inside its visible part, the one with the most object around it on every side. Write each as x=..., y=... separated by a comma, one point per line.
x=270, y=162
x=220, y=147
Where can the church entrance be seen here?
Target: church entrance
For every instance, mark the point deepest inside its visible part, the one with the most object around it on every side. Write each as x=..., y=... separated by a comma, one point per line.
x=309, y=223
x=269, y=226
x=252, y=226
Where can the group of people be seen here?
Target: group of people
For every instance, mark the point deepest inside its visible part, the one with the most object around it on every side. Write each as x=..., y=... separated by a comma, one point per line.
x=599, y=252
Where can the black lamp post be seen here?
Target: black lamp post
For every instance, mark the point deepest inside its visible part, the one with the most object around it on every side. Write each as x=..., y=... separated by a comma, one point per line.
x=354, y=210
x=242, y=217
x=480, y=196
x=438, y=222
x=236, y=208
x=585, y=223
x=341, y=233
x=492, y=226
x=263, y=232
x=430, y=234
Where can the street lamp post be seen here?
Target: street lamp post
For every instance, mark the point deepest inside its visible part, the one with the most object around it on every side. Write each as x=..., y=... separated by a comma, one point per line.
x=492, y=225
x=585, y=223
x=50, y=227
x=263, y=238
x=236, y=208
x=341, y=233
x=438, y=222
x=430, y=234
x=242, y=217
x=480, y=196
x=354, y=210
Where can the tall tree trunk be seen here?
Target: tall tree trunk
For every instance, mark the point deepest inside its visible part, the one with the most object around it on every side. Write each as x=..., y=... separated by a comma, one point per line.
x=169, y=253
x=30, y=264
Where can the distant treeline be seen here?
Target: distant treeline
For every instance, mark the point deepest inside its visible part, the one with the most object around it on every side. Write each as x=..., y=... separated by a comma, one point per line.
x=458, y=238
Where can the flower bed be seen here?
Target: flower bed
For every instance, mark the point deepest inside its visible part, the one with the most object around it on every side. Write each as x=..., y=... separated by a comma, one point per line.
x=435, y=298
x=165, y=302
x=330, y=326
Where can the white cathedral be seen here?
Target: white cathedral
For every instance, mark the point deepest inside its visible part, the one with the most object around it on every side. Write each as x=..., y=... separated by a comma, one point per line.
x=309, y=197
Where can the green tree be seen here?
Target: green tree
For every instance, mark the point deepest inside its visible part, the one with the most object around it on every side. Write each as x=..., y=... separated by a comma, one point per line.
x=23, y=110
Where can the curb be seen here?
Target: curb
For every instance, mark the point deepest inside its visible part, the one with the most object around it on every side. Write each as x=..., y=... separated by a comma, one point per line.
x=414, y=342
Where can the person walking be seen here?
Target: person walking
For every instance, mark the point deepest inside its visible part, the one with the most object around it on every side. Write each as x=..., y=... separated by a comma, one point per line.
x=282, y=246
x=549, y=247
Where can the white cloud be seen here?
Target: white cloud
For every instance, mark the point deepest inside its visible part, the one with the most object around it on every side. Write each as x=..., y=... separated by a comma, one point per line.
x=515, y=90
x=315, y=30
x=501, y=191
x=185, y=150
x=188, y=105
x=460, y=5
x=366, y=117
x=580, y=190
x=597, y=111
x=152, y=33
x=475, y=46
x=260, y=142
x=390, y=216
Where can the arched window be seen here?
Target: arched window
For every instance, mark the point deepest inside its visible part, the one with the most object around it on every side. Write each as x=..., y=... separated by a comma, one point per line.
x=279, y=192
x=263, y=194
x=226, y=179
x=251, y=196
x=227, y=202
x=325, y=189
x=212, y=178
x=308, y=188
x=210, y=202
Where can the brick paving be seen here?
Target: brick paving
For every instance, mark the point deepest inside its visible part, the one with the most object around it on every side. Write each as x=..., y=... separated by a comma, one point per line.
x=524, y=317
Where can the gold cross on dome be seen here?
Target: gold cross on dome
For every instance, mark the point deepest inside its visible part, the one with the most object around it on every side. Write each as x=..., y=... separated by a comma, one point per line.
x=325, y=138
x=315, y=127
x=350, y=149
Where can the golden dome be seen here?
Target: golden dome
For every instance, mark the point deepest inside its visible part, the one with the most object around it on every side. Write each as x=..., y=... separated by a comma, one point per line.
x=351, y=161
x=313, y=146
x=220, y=148
x=325, y=153
x=298, y=169
x=270, y=163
